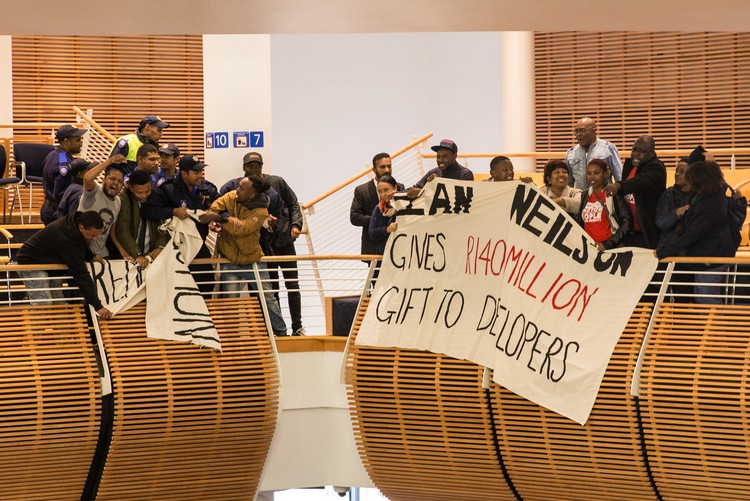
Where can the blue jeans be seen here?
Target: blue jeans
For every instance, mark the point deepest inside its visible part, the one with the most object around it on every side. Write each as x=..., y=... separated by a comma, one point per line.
x=38, y=284
x=710, y=284
x=234, y=276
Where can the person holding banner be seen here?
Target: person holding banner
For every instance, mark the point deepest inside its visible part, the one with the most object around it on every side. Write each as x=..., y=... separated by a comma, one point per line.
x=242, y=213
x=64, y=241
x=138, y=239
x=447, y=167
x=382, y=222
x=556, y=187
x=606, y=218
x=501, y=169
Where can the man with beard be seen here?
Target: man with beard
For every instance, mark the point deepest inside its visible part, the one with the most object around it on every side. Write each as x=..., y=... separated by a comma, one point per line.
x=287, y=225
x=644, y=179
x=447, y=167
x=366, y=198
x=103, y=199
x=56, y=171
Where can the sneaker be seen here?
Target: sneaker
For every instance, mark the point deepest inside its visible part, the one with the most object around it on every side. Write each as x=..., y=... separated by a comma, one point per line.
x=299, y=332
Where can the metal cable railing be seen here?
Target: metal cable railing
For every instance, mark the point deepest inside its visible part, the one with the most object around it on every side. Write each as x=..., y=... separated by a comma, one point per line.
x=328, y=230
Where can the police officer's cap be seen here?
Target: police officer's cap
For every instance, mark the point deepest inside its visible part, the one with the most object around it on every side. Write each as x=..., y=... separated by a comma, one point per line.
x=191, y=162
x=153, y=120
x=67, y=131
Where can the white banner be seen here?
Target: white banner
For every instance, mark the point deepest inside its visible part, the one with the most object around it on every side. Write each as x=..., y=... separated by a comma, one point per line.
x=175, y=309
x=498, y=274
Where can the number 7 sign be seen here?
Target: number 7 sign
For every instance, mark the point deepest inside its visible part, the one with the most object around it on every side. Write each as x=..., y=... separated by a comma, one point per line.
x=256, y=139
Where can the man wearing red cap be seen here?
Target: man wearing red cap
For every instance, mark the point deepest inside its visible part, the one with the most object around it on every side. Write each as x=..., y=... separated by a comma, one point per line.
x=149, y=132
x=56, y=171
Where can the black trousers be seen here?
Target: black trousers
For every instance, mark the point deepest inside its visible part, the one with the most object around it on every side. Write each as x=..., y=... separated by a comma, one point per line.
x=291, y=282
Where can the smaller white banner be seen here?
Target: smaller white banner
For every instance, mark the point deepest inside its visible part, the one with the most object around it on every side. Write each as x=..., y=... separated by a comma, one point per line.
x=175, y=309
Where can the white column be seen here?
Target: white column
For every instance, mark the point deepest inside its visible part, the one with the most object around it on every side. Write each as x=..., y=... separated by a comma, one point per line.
x=518, y=97
x=237, y=98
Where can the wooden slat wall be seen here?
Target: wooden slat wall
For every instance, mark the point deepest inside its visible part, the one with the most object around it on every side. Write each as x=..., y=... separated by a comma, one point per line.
x=422, y=424
x=684, y=89
x=190, y=423
x=121, y=78
x=694, y=400
x=50, y=401
x=551, y=457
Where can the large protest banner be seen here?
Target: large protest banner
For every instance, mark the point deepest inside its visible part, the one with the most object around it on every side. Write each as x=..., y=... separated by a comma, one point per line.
x=498, y=274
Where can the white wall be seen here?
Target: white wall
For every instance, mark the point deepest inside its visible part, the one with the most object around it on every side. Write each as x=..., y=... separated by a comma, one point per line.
x=339, y=99
x=237, y=97
x=6, y=84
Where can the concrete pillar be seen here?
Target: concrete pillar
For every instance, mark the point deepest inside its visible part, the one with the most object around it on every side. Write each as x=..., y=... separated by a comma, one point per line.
x=518, y=97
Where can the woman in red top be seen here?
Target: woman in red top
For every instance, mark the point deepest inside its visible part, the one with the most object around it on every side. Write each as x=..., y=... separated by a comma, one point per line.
x=605, y=218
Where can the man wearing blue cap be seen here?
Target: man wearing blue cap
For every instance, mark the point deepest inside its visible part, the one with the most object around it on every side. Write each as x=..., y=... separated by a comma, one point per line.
x=149, y=132
x=188, y=190
x=447, y=167
x=56, y=171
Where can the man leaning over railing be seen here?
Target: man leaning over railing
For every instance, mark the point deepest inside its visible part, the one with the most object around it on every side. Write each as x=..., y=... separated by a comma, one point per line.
x=64, y=241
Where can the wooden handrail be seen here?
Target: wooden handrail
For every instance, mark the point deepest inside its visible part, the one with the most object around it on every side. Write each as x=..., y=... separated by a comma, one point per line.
x=366, y=171
x=30, y=125
x=372, y=257
x=6, y=233
x=93, y=124
x=411, y=145
x=559, y=154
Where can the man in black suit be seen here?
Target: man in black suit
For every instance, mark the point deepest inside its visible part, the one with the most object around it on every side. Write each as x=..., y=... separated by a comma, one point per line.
x=366, y=198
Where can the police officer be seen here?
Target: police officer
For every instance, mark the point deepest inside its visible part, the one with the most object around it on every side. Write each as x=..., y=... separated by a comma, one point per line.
x=187, y=190
x=149, y=132
x=56, y=174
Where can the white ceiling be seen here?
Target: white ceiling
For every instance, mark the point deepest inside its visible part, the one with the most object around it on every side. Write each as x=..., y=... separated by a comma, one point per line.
x=131, y=17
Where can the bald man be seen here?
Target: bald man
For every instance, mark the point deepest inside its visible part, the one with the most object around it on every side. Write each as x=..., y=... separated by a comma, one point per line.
x=590, y=146
x=645, y=179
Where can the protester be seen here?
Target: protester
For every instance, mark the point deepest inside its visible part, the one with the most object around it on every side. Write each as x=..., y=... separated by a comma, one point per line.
x=103, y=198
x=447, y=167
x=706, y=230
x=605, y=218
x=382, y=223
x=64, y=241
x=366, y=198
x=138, y=239
x=644, y=179
x=242, y=214
x=501, y=169
x=590, y=146
x=556, y=187
x=286, y=225
x=670, y=214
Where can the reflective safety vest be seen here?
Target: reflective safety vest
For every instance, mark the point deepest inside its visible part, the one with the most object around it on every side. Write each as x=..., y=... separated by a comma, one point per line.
x=132, y=142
